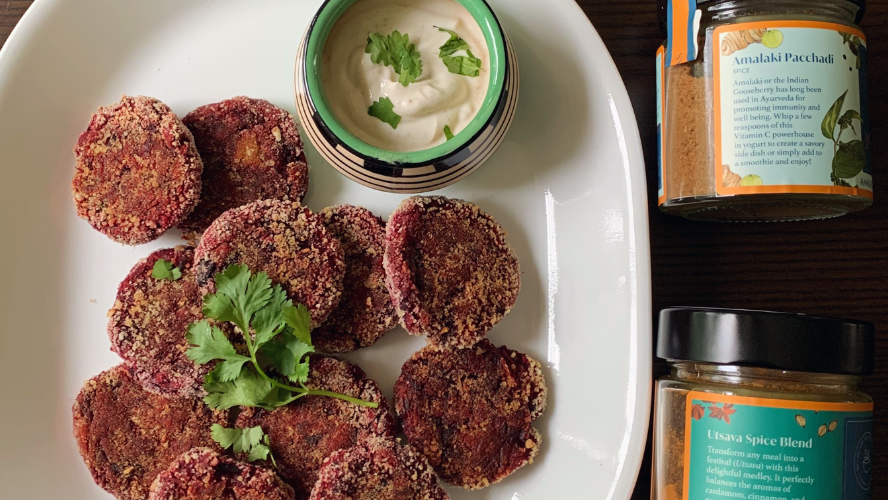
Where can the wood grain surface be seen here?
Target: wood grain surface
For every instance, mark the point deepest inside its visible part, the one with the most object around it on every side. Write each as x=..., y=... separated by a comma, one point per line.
x=837, y=267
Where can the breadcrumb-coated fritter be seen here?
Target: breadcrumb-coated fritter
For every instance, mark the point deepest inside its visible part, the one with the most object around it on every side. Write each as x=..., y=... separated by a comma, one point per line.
x=377, y=469
x=127, y=436
x=148, y=323
x=203, y=474
x=306, y=432
x=137, y=171
x=451, y=274
x=365, y=312
x=284, y=239
x=469, y=411
x=251, y=151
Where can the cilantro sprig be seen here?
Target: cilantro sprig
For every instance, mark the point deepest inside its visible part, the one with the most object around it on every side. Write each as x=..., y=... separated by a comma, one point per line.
x=165, y=270
x=384, y=110
x=467, y=65
x=253, y=441
x=277, y=338
x=395, y=50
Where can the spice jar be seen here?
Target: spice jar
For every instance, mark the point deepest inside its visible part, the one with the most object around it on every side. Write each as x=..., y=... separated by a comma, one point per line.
x=762, y=406
x=762, y=110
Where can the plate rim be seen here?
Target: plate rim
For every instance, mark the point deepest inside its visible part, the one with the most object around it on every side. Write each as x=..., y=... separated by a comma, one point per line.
x=633, y=167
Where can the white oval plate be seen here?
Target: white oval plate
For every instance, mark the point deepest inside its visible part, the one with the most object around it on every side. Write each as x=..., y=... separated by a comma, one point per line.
x=568, y=185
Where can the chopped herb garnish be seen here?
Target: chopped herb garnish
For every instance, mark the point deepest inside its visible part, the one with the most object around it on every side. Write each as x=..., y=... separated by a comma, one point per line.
x=467, y=65
x=277, y=338
x=165, y=270
x=253, y=441
x=455, y=43
x=384, y=109
x=395, y=50
x=447, y=132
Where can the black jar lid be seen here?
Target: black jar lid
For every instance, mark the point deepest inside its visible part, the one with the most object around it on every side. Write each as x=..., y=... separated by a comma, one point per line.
x=781, y=341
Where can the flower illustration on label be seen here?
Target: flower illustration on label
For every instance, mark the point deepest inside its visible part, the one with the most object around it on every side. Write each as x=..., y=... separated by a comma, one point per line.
x=722, y=413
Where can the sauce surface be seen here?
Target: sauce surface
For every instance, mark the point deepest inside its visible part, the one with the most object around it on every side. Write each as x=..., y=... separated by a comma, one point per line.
x=438, y=98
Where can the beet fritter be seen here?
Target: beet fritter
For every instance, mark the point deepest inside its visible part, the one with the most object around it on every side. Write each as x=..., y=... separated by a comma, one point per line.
x=149, y=321
x=251, y=151
x=285, y=240
x=365, y=311
x=469, y=411
x=127, y=436
x=306, y=432
x=449, y=269
x=203, y=474
x=377, y=469
x=137, y=172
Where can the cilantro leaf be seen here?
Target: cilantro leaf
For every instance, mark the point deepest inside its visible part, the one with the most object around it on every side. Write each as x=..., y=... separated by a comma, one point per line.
x=410, y=65
x=249, y=389
x=467, y=65
x=225, y=437
x=384, y=109
x=453, y=34
x=395, y=50
x=378, y=48
x=447, y=132
x=252, y=440
x=286, y=354
x=299, y=319
x=209, y=344
x=164, y=270
x=269, y=320
x=277, y=335
x=454, y=44
x=463, y=65
x=262, y=451
x=239, y=295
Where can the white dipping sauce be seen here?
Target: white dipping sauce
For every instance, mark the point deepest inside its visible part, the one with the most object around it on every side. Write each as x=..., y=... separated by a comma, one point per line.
x=352, y=82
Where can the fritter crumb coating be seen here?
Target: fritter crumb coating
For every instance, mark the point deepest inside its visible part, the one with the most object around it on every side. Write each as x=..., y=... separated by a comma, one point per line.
x=137, y=171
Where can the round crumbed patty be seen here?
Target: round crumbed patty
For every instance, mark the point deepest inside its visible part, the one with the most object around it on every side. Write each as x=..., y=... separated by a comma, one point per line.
x=365, y=312
x=449, y=269
x=251, y=151
x=148, y=323
x=127, y=436
x=377, y=469
x=306, y=432
x=469, y=411
x=283, y=239
x=203, y=474
x=137, y=171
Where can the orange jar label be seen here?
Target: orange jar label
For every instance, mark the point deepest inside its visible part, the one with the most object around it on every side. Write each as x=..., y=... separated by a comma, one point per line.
x=790, y=109
x=776, y=449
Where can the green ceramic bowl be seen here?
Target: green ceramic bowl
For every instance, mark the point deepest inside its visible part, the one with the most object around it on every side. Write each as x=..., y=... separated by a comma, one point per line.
x=419, y=171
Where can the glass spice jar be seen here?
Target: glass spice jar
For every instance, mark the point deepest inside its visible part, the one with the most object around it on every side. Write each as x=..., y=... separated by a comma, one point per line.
x=762, y=406
x=762, y=110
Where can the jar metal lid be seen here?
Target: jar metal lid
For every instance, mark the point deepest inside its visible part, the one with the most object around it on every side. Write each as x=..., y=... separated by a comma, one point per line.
x=662, y=9
x=781, y=341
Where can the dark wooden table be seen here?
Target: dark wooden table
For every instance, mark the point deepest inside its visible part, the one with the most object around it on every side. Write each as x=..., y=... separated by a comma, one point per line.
x=836, y=268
